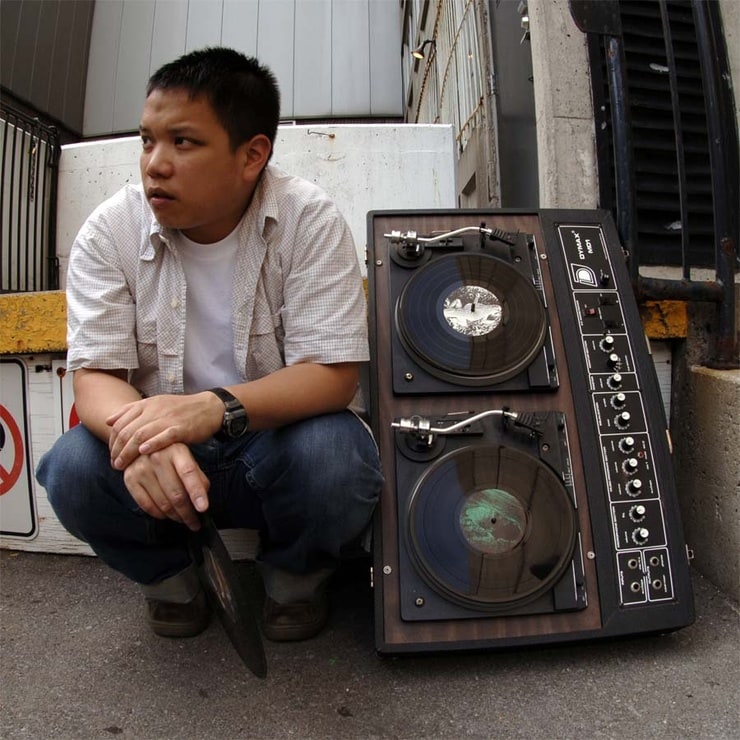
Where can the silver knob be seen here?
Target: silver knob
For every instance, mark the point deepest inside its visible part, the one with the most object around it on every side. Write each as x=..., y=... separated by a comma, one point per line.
x=634, y=487
x=623, y=420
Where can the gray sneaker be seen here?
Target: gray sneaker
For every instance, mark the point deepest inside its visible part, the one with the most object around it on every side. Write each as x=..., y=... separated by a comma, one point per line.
x=168, y=619
x=299, y=621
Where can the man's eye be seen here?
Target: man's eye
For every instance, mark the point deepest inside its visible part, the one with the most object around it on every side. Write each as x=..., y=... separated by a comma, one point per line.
x=145, y=142
x=181, y=141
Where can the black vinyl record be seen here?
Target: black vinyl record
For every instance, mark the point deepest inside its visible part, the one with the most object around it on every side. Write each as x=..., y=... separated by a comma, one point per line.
x=471, y=318
x=227, y=595
x=491, y=527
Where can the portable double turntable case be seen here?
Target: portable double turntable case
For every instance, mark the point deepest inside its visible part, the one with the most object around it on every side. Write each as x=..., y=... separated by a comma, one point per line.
x=529, y=494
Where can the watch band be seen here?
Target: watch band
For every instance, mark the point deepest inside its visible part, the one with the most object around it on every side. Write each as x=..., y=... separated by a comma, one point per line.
x=229, y=399
x=235, y=423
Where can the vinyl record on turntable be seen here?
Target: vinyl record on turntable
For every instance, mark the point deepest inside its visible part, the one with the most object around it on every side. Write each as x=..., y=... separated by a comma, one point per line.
x=471, y=318
x=491, y=527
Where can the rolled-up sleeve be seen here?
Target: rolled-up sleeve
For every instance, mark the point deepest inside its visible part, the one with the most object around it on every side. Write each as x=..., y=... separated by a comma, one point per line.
x=324, y=315
x=101, y=313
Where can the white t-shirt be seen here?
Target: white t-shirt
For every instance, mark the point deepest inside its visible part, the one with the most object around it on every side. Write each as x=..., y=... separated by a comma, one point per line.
x=209, y=336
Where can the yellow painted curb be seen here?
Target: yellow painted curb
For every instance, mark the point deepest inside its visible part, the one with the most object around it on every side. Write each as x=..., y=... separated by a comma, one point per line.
x=33, y=322
x=665, y=319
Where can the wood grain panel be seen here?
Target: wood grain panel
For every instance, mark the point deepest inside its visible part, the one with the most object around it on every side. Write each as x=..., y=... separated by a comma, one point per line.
x=487, y=629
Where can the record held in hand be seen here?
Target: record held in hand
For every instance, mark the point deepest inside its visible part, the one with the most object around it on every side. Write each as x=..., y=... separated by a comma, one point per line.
x=491, y=527
x=227, y=595
x=471, y=319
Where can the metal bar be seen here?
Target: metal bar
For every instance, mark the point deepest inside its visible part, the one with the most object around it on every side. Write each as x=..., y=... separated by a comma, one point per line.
x=723, y=149
x=3, y=238
x=678, y=133
x=661, y=289
x=36, y=204
x=53, y=153
x=13, y=243
x=623, y=156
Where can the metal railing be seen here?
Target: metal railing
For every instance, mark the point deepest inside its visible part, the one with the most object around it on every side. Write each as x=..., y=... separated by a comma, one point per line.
x=29, y=155
x=604, y=19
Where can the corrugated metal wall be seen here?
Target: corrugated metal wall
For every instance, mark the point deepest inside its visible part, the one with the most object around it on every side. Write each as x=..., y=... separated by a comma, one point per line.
x=333, y=58
x=43, y=55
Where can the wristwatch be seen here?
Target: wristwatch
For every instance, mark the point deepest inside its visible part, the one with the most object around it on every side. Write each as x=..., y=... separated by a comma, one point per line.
x=236, y=420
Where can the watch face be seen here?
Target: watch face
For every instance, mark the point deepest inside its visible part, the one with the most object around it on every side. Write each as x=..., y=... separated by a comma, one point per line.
x=237, y=425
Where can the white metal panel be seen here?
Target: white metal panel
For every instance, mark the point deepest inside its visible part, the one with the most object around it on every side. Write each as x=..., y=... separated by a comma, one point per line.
x=204, y=24
x=276, y=27
x=351, y=58
x=385, y=60
x=331, y=57
x=168, y=35
x=363, y=167
x=312, y=91
x=239, y=30
x=101, y=70
x=134, y=52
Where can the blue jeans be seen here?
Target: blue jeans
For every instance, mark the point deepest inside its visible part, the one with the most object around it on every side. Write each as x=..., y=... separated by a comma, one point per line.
x=309, y=487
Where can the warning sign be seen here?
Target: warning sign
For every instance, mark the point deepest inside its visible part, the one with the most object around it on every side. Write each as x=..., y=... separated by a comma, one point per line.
x=17, y=501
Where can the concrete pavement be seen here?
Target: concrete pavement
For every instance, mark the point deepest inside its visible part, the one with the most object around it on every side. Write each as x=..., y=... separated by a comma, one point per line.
x=79, y=662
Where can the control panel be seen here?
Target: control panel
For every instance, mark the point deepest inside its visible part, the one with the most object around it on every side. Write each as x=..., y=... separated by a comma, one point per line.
x=635, y=502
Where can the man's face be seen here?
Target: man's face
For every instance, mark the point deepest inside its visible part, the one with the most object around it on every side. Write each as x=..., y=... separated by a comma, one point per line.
x=192, y=178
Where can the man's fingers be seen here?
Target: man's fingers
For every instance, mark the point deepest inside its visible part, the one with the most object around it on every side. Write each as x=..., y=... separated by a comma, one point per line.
x=178, y=502
x=194, y=480
x=169, y=484
x=144, y=440
x=142, y=488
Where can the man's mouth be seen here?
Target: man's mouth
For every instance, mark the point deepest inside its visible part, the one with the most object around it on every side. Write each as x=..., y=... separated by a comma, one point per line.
x=157, y=195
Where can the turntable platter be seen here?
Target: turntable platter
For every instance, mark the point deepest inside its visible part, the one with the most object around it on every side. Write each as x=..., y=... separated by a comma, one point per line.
x=491, y=527
x=471, y=318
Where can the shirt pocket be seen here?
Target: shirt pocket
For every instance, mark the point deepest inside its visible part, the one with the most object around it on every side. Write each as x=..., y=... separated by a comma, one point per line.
x=266, y=353
x=146, y=342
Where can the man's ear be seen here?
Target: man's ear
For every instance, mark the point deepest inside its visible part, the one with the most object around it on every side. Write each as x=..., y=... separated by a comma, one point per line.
x=256, y=154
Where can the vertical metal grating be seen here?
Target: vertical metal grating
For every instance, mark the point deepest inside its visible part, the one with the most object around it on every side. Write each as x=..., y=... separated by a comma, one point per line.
x=672, y=185
x=29, y=153
x=667, y=147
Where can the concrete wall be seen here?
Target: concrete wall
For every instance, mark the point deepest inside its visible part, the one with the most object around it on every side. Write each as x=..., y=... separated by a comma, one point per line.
x=363, y=167
x=705, y=423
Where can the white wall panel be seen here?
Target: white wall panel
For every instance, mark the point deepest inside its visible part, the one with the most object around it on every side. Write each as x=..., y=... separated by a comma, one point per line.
x=386, y=96
x=102, y=68
x=204, y=24
x=332, y=58
x=276, y=25
x=239, y=26
x=351, y=58
x=168, y=35
x=134, y=52
x=313, y=53
x=364, y=167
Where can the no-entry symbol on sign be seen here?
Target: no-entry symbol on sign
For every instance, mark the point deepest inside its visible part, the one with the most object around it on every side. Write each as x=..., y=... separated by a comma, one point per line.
x=10, y=436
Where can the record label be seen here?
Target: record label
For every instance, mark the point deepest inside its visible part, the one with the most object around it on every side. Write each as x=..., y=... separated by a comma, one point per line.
x=473, y=310
x=493, y=521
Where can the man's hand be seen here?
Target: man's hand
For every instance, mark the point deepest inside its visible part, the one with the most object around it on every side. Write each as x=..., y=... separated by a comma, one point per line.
x=169, y=484
x=152, y=424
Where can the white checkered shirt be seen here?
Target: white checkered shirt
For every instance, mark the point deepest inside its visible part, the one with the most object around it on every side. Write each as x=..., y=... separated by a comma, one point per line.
x=297, y=294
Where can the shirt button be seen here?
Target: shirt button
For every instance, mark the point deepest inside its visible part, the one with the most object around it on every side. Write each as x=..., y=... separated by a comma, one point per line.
x=171, y=379
x=175, y=303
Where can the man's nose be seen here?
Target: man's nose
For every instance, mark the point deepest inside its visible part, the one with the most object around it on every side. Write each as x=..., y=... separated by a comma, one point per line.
x=157, y=162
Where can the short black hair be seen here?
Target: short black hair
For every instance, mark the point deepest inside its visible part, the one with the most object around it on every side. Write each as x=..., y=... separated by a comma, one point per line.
x=243, y=93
